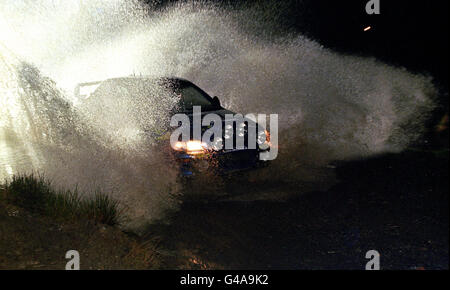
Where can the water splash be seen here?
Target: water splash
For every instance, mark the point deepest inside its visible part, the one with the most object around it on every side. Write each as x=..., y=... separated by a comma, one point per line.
x=40, y=131
x=331, y=106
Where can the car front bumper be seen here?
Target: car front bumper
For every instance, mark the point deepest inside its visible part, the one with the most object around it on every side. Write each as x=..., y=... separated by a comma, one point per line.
x=222, y=162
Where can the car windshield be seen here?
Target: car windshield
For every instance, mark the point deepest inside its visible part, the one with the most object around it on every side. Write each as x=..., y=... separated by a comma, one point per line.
x=192, y=96
x=188, y=94
x=129, y=88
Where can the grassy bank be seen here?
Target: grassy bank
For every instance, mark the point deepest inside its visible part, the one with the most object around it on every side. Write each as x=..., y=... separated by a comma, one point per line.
x=37, y=195
x=39, y=224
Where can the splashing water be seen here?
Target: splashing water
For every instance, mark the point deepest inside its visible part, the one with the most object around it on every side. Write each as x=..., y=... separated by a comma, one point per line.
x=330, y=106
x=41, y=131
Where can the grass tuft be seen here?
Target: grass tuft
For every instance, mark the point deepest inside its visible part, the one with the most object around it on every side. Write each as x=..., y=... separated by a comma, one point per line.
x=36, y=194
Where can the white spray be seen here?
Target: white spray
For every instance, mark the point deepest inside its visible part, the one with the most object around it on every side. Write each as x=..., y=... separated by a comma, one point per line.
x=330, y=106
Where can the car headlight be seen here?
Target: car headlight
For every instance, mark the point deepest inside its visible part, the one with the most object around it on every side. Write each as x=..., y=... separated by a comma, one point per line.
x=267, y=136
x=263, y=139
x=194, y=146
x=191, y=147
x=217, y=144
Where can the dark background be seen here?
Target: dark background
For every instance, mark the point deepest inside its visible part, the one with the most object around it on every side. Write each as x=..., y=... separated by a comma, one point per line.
x=410, y=33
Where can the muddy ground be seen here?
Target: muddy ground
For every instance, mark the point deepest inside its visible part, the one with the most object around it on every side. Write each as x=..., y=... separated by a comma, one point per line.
x=396, y=204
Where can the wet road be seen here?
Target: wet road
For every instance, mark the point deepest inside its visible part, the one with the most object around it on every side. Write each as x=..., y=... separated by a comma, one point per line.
x=395, y=204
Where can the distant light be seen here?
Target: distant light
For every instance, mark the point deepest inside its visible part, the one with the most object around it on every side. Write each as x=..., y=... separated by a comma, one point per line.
x=368, y=28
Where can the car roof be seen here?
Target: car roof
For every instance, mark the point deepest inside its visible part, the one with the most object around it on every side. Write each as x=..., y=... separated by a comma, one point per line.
x=177, y=81
x=149, y=78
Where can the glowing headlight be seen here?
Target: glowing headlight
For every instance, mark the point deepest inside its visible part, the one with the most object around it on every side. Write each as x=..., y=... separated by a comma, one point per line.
x=217, y=144
x=264, y=138
x=261, y=137
x=191, y=147
x=194, y=146
x=267, y=136
x=179, y=146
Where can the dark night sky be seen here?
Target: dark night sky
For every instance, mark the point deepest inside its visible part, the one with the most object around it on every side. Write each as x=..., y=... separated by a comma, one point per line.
x=409, y=33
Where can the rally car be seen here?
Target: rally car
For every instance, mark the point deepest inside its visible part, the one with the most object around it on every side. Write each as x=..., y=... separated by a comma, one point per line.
x=193, y=156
